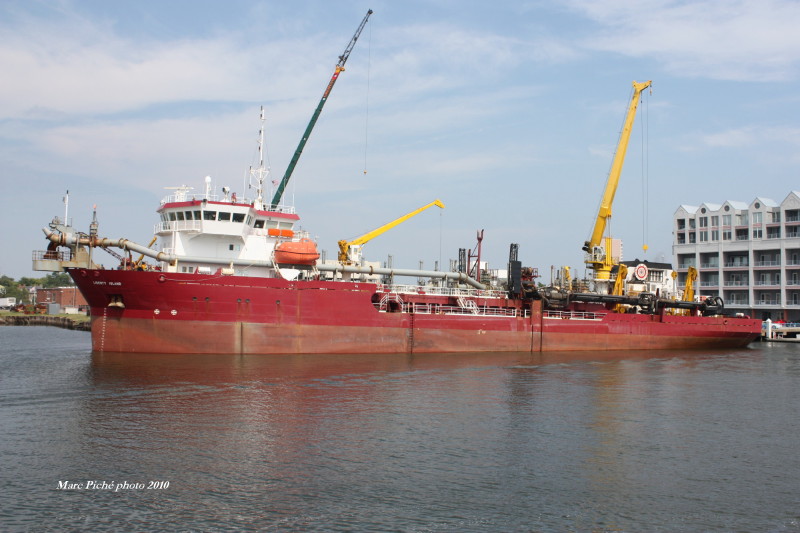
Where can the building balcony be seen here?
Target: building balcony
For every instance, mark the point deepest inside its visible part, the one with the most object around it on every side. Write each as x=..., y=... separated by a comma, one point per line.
x=709, y=265
x=767, y=263
x=736, y=283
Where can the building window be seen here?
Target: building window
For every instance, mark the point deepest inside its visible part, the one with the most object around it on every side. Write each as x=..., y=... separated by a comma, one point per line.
x=776, y=216
x=757, y=216
x=773, y=233
x=742, y=219
x=681, y=238
x=681, y=223
x=703, y=222
x=703, y=236
x=726, y=220
x=756, y=233
x=726, y=235
x=714, y=234
x=692, y=238
x=714, y=221
x=691, y=223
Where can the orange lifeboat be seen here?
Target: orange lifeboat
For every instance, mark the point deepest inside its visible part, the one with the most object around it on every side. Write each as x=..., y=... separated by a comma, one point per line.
x=302, y=252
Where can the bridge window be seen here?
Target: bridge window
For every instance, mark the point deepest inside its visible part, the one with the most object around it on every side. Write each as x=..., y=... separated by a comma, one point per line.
x=209, y=215
x=224, y=216
x=238, y=217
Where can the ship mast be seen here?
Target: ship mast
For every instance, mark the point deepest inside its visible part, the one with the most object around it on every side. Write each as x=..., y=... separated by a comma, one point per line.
x=260, y=173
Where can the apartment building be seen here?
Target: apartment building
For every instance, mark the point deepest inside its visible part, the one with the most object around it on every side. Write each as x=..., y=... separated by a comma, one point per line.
x=749, y=254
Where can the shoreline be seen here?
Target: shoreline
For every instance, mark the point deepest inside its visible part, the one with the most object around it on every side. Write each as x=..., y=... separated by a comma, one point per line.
x=45, y=320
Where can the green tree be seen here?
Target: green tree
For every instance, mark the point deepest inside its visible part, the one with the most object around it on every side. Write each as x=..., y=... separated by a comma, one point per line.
x=56, y=279
x=30, y=282
x=14, y=289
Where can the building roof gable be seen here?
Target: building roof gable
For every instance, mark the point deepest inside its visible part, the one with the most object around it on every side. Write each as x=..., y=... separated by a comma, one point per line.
x=766, y=202
x=792, y=200
x=688, y=209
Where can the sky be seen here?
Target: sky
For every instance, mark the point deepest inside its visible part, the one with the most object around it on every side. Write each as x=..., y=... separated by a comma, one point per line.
x=509, y=112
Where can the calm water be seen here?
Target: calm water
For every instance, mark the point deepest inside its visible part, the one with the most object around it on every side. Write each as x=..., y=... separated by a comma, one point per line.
x=595, y=442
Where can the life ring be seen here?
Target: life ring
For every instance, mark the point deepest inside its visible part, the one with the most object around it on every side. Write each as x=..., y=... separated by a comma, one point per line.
x=640, y=272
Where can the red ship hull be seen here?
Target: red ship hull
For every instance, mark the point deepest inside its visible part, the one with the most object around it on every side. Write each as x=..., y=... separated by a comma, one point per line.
x=153, y=312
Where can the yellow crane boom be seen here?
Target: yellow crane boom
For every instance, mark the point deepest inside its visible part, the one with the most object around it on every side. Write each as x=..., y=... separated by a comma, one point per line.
x=345, y=246
x=688, y=289
x=599, y=252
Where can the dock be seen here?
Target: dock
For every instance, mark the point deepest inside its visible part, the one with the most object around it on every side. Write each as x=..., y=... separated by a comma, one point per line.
x=780, y=331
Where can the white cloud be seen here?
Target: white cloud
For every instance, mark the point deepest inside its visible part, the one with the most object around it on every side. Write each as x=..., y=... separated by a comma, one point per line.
x=74, y=66
x=731, y=138
x=751, y=136
x=741, y=40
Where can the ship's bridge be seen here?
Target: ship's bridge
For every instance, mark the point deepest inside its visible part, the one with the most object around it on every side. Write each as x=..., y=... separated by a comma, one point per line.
x=203, y=229
x=223, y=218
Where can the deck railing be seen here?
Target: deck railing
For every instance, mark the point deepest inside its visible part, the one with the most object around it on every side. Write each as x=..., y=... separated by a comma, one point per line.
x=440, y=291
x=178, y=225
x=573, y=315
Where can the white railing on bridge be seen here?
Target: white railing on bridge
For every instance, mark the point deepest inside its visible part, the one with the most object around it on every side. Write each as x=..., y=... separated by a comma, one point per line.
x=178, y=225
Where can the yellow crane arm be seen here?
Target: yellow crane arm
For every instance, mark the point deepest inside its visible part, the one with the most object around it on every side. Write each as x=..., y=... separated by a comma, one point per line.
x=619, y=284
x=344, y=246
x=688, y=290
x=141, y=257
x=604, y=212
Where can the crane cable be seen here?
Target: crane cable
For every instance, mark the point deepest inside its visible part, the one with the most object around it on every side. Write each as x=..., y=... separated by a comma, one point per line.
x=366, y=114
x=645, y=172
